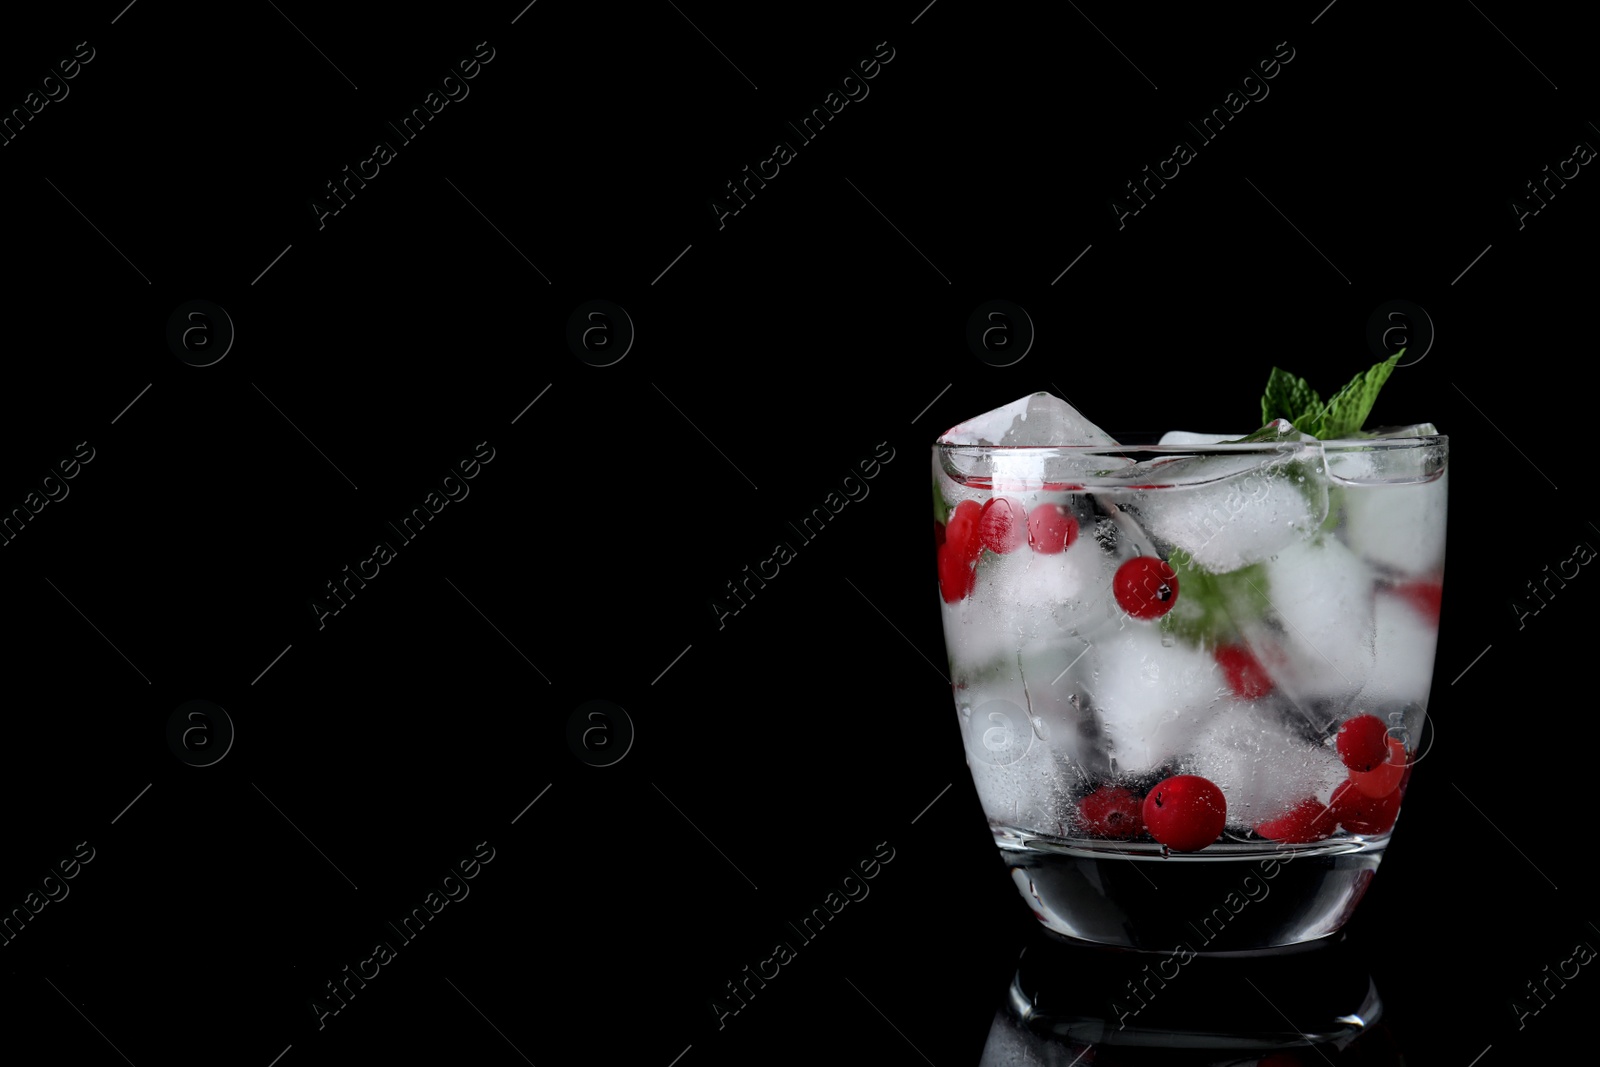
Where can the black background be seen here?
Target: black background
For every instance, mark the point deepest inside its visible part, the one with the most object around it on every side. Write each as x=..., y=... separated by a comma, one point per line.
x=771, y=355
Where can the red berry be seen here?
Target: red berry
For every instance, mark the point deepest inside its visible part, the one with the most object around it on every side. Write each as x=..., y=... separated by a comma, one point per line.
x=1385, y=777
x=1146, y=587
x=1111, y=812
x=962, y=532
x=1363, y=742
x=1424, y=596
x=1246, y=677
x=1051, y=528
x=1309, y=820
x=1000, y=525
x=956, y=575
x=959, y=553
x=938, y=533
x=1361, y=814
x=1185, y=812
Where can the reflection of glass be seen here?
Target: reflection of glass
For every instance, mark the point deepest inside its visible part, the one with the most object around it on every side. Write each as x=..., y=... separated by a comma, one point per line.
x=1191, y=679
x=1150, y=1008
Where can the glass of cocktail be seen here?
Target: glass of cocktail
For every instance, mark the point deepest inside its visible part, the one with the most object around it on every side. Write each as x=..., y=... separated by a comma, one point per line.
x=1191, y=677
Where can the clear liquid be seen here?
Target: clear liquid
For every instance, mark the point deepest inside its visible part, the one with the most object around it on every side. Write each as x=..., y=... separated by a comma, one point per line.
x=1233, y=897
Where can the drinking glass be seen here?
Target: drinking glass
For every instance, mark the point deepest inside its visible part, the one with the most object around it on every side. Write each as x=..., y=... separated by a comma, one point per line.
x=1191, y=681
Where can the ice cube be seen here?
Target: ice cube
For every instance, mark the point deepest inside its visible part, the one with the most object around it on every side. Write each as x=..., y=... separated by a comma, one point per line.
x=1262, y=766
x=1023, y=599
x=1048, y=592
x=1184, y=437
x=1019, y=780
x=1405, y=639
x=976, y=637
x=1151, y=698
x=1229, y=510
x=1033, y=443
x=1322, y=595
x=1036, y=677
x=1400, y=526
x=1415, y=429
x=1039, y=419
x=1051, y=674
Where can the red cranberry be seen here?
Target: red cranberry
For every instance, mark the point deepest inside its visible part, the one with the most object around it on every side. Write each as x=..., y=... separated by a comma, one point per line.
x=959, y=553
x=1361, y=814
x=1309, y=820
x=1425, y=596
x=1111, y=811
x=1001, y=526
x=1146, y=587
x=1385, y=777
x=1185, y=812
x=1246, y=677
x=1051, y=528
x=1363, y=742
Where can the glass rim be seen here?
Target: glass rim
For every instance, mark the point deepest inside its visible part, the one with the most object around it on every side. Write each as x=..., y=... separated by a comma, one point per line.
x=1342, y=444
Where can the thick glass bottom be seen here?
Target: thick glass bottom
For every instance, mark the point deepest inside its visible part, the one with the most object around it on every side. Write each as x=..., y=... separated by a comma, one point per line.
x=1235, y=897
x=1315, y=1004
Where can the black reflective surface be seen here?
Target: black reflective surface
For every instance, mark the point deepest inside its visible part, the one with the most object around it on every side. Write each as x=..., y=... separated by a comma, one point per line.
x=401, y=468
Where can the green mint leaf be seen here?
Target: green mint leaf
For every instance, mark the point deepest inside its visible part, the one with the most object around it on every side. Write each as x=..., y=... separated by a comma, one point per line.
x=1347, y=411
x=1210, y=607
x=1343, y=415
x=1287, y=397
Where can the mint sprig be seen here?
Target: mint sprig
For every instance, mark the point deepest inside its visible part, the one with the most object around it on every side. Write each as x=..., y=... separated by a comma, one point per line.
x=1292, y=398
x=1348, y=410
x=1287, y=397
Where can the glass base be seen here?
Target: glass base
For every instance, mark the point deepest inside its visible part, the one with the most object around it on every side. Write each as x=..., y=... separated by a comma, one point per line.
x=1233, y=898
x=1070, y=996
